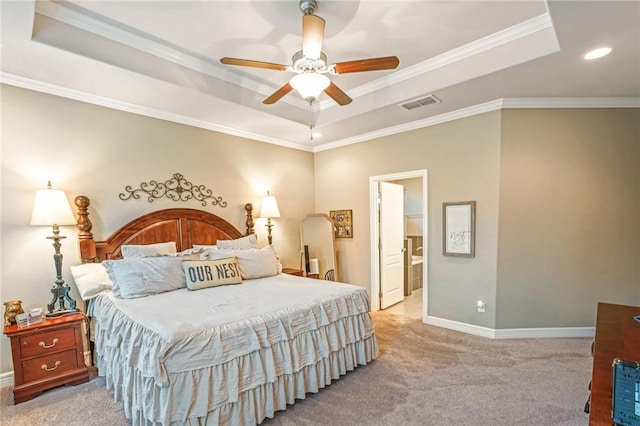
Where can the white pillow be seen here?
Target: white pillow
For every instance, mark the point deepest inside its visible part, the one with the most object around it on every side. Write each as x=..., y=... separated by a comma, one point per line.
x=205, y=247
x=254, y=263
x=133, y=251
x=145, y=276
x=243, y=243
x=190, y=254
x=91, y=279
x=211, y=273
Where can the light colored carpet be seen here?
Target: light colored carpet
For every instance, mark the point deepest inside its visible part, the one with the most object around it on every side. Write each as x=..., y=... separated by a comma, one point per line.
x=424, y=375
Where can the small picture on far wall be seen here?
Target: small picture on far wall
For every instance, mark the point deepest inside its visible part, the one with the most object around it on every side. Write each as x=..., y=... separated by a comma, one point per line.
x=342, y=224
x=459, y=229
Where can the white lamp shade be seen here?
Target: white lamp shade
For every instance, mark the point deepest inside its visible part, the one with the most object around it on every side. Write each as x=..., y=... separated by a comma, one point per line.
x=269, y=207
x=310, y=85
x=52, y=208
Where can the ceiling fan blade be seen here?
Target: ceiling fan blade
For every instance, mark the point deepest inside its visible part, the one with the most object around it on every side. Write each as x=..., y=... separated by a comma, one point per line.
x=312, y=36
x=337, y=94
x=373, y=64
x=278, y=94
x=254, y=64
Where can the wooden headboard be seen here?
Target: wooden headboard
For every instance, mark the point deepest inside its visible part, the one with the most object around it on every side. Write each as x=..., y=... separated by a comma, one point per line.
x=184, y=226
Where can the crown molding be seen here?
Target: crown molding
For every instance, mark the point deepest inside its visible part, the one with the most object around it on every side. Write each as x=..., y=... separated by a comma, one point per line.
x=418, y=124
x=610, y=102
x=506, y=103
x=75, y=16
x=52, y=89
x=492, y=41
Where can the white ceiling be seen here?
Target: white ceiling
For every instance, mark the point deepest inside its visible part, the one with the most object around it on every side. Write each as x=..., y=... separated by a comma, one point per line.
x=161, y=59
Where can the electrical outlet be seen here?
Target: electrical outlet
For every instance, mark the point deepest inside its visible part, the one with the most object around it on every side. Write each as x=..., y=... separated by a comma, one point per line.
x=481, y=306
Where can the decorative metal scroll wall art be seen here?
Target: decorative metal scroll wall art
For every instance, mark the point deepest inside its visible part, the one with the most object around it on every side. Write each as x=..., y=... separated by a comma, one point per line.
x=177, y=189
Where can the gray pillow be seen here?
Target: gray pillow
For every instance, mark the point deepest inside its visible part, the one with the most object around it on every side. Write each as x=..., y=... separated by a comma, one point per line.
x=145, y=276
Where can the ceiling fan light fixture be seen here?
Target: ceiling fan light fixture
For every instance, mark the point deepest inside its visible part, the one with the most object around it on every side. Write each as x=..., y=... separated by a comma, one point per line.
x=310, y=84
x=310, y=64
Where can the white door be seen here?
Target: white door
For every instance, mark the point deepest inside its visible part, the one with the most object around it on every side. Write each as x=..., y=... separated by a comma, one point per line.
x=391, y=244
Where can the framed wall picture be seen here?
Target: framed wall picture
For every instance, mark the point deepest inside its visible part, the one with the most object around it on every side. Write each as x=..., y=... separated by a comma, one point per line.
x=459, y=229
x=342, y=223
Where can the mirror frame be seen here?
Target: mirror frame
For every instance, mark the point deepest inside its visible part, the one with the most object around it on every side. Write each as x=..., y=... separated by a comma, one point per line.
x=331, y=238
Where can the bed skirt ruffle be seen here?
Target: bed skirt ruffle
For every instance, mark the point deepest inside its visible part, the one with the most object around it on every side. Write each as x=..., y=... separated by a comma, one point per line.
x=247, y=389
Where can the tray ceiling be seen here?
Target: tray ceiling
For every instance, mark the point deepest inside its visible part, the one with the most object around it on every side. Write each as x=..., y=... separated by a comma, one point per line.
x=161, y=58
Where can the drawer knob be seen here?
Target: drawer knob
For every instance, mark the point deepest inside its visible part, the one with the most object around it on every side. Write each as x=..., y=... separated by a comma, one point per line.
x=57, y=364
x=53, y=343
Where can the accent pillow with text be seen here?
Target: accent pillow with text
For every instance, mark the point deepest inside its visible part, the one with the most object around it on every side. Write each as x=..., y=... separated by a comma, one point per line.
x=201, y=274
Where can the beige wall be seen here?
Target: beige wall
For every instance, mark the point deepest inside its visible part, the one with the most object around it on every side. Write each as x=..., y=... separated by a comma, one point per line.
x=557, y=192
x=563, y=185
x=462, y=159
x=569, y=215
x=94, y=151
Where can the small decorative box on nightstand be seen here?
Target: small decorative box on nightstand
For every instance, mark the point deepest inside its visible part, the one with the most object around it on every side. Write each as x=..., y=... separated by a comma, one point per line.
x=46, y=355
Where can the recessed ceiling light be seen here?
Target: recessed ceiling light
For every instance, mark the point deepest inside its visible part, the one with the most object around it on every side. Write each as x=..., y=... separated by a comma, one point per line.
x=597, y=53
x=316, y=135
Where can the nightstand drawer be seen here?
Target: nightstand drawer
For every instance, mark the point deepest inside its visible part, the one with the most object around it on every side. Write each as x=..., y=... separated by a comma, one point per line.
x=48, y=366
x=47, y=342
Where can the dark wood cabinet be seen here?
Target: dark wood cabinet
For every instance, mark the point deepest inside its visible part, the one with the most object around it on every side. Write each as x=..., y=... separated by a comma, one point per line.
x=46, y=355
x=617, y=336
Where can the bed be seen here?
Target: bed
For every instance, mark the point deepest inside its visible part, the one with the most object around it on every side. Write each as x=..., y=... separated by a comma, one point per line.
x=220, y=354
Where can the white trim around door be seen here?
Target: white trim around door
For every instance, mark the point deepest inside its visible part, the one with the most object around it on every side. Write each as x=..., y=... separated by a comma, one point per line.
x=375, y=235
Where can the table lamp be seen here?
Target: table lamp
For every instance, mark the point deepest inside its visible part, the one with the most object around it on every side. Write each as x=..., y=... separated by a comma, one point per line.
x=268, y=210
x=52, y=208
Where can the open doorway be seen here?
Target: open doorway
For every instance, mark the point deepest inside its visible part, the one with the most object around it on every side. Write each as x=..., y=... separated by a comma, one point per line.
x=416, y=218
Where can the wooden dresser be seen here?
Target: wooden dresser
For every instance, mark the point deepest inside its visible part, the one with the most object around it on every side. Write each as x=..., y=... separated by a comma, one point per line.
x=617, y=336
x=46, y=355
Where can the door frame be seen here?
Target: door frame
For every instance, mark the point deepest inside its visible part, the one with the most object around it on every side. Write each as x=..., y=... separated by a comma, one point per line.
x=375, y=235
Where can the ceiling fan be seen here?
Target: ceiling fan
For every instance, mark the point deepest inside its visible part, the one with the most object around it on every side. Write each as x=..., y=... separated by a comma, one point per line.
x=310, y=64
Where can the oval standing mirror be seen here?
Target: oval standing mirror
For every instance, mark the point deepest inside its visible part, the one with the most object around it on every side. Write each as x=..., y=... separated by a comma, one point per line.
x=319, y=255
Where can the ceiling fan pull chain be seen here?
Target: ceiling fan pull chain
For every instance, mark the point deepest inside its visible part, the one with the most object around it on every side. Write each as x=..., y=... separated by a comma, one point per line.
x=311, y=121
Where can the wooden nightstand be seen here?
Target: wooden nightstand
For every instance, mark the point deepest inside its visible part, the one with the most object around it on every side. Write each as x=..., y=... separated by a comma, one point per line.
x=293, y=271
x=46, y=355
x=297, y=272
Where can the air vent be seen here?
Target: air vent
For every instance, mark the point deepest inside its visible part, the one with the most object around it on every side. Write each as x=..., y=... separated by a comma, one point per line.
x=420, y=102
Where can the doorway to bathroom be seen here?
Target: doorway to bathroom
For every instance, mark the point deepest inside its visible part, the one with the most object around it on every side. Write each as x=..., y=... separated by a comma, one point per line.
x=414, y=250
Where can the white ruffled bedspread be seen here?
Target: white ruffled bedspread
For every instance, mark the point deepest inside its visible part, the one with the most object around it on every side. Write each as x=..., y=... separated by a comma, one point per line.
x=231, y=354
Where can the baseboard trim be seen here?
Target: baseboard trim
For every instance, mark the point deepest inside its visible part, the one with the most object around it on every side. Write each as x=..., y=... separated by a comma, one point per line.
x=513, y=333
x=6, y=379
x=536, y=333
